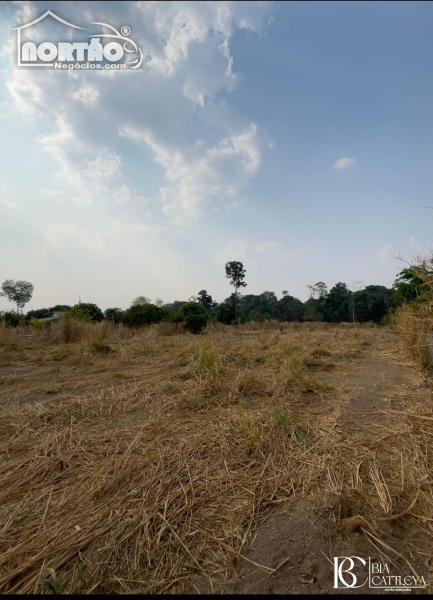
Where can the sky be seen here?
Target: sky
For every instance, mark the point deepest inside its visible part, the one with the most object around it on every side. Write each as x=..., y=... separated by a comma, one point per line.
x=294, y=137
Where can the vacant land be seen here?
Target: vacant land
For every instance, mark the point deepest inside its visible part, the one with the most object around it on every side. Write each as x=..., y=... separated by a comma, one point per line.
x=240, y=460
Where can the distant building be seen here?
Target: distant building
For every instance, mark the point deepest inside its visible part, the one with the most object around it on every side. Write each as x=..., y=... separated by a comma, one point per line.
x=54, y=317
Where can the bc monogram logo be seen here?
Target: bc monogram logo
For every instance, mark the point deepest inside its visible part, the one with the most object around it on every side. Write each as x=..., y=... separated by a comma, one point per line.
x=343, y=572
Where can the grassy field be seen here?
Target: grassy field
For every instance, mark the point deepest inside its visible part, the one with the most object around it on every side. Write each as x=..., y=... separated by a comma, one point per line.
x=149, y=461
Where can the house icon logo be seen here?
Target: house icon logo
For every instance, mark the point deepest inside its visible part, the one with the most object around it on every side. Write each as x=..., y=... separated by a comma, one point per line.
x=112, y=50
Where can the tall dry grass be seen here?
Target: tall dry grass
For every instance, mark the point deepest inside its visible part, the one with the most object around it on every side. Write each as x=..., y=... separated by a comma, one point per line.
x=414, y=320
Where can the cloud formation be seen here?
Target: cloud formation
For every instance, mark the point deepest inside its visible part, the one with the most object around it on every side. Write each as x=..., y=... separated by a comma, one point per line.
x=188, y=64
x=344, y=163
x=240, y=249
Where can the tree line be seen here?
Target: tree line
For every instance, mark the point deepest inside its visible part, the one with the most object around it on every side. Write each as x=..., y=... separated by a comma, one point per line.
x=371, y=303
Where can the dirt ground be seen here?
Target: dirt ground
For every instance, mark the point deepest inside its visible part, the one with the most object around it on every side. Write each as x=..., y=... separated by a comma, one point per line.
x=362, y=388
x=293, y=552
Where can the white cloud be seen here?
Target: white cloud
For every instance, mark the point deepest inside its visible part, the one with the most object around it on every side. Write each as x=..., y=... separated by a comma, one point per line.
x=73, y=237
x=124, y=195
x=56, y=194
x=344, y=163
x=274, y=249
x=233, y=250
x=8, y=212
x=86, y=94
x=189, y=62
x=384, y=255
x=420, y=248
x=236, y=249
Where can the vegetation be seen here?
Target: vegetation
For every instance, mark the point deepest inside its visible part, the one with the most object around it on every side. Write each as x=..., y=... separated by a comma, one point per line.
x=140, y=301
x=205, y=300
x=194, y=316
x=44, y=313
x=19, y=292
x=373, y=303
x=413, y=297
x=140, y=315
x=10, y=318
x=153, y=458
x=85, y=311
x=235, y=273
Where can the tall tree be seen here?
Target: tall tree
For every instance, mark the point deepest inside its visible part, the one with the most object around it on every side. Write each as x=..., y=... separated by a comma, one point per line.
x=19, y=292
x=336, y=308
x=356, y=286
x=235, y=273
x=372, y=303
x=205, y=299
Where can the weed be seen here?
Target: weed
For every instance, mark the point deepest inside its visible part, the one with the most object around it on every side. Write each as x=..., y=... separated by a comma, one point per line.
x=56, y=585
x=299, y=434
x=204, y=362
x=83, y=573
x=293, y=371
x=282, y=419
x=251, y=430
x=100, y=346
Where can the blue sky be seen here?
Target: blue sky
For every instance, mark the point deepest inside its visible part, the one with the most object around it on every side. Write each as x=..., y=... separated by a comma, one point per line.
x=224, y=146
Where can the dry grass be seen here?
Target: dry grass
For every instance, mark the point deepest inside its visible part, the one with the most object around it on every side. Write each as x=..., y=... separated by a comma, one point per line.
x=157, y=475
x=414, y=321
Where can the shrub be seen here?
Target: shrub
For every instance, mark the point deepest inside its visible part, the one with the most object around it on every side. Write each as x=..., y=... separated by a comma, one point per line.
x=194, y=316
x=143, y=314
x=10, y=318
x=85, y=311
x=224, y=312
x=174, y=318
x=257, y=317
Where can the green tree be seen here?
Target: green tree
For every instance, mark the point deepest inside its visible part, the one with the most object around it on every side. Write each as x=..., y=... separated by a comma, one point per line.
x=312, y=310
x=205, y=300
x=336, y=308
x=19, y=292
x=194, y=316
x=235, y=273
x=173, y=307
x=289, y=308
x=372, y=303
x=224, y=312
x=409, y=284
x=257, y=317
x=85, y=311
x=140, y=301
x=141, y=315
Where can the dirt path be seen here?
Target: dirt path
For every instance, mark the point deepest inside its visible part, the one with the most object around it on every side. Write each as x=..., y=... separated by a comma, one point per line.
x=302, y=541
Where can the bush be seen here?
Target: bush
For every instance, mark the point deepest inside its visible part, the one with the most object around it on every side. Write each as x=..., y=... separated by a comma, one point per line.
x=143, y=314
x=10, y=318
x=174, y=318
x=257, y=317
x=86, y=311
x=224, y=312
x=194, y=316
